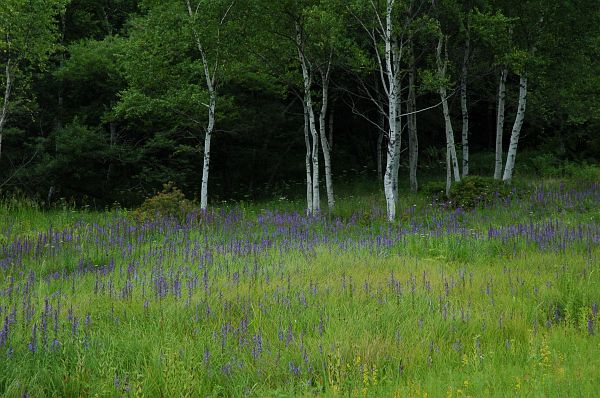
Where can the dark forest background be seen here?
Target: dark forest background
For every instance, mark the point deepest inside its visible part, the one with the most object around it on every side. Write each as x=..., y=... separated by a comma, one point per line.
x=75, y=131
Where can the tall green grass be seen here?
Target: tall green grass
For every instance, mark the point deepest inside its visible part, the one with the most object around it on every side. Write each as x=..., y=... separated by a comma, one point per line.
x=428, y=315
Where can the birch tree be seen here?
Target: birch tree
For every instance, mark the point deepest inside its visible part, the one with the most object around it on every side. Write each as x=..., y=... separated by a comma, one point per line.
x=390, y=27
x=387, y=40
x=391, y=78
x=500, y=122
x=452, y=168
x=197, y=12
x=516, y=130
x=190, y=45
x=320, y=41
x=493, y=30
x=527, y=31
x=309, y=115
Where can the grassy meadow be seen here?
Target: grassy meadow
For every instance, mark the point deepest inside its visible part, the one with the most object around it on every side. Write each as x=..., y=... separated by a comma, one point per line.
x=261, y=300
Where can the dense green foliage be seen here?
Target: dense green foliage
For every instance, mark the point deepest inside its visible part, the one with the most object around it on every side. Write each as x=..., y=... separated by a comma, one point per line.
x=473, y=191
x=108, y=98
x=170, y=202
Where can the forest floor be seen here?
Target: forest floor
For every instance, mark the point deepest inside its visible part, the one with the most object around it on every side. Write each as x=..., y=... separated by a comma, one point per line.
x=251, y=300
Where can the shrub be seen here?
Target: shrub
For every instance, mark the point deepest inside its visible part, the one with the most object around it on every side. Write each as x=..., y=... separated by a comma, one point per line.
x=473, y=191
x=434, y=189
x=170, y=202
x=582, y=173
x=546, y=165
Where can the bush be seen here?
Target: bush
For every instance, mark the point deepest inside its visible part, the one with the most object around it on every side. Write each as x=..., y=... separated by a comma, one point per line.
x=170, y=202
x=434, y=189
x=546, y=165
x=582, y=173
x=473, y=191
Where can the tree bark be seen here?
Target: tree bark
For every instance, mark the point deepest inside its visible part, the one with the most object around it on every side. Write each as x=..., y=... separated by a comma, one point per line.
x=207, y=139
x=323, y=134
x=516, y=131
x=4, y=114
x=307, y=78
x=309, y=193
x=500, y=122
x=212, y=105
x=465, y=109
x=392, y=59
x=450, y=146
x=413, y=139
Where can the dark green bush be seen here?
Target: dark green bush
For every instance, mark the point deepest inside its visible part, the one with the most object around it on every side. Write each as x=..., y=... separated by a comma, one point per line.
x=546, y=165
x=582, y=173
x=434, y=189
x=473, y=191
x=168, y=202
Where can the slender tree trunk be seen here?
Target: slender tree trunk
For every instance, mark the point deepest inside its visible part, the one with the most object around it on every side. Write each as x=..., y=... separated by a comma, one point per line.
x=306, y=75
x=323, y=134
x=4, y=114
x=451, y=147
x=207, y=138
x=516, y=131
x=500, y=122
x=465, y=109
x=450, y=136
x=413, y=139
x=309, y=193
x=212, y=106
x=392, y=59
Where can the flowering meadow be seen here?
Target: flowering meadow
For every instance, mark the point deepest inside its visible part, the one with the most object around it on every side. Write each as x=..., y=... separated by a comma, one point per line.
x=495, y=301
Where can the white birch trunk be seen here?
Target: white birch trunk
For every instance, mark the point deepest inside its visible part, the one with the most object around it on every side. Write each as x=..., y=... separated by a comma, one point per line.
x=4, y=114
x=309, y=194
x=392, y=58
x=323, y=134
x=210, y=85
x=307, y=78
x=516, y=131
x=500, y=122
x=465, y=109
x=207, y=138
x=413, y=139
x=451, y=147
x=315, y=162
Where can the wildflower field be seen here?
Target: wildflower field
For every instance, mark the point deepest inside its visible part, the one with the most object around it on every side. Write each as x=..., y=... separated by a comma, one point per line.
x=500, y=300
